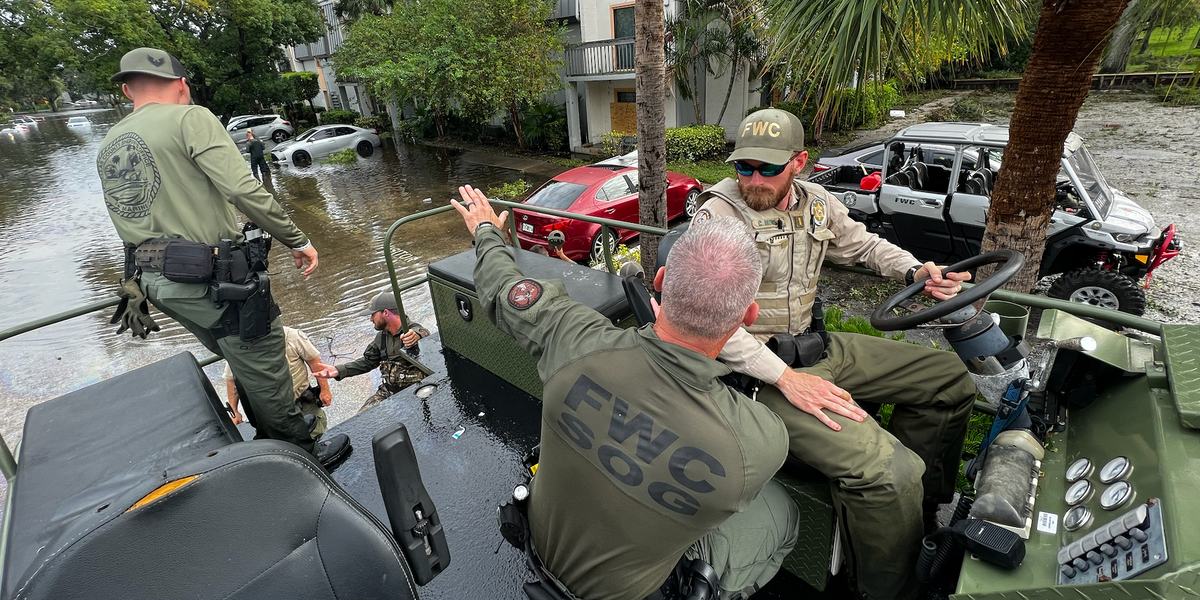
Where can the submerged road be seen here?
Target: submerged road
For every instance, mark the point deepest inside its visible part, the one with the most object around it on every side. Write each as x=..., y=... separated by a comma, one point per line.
x=61, y=251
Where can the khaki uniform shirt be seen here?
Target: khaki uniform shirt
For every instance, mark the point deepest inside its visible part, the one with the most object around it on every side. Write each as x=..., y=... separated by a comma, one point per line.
x=299, y=351
x=171, y=170
x=793, y=243
x=643, y=449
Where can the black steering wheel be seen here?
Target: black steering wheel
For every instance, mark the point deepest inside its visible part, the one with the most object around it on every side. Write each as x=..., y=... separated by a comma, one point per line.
x=1012, y=261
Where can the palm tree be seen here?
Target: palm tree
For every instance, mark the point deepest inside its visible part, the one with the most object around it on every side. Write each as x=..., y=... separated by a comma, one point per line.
x=1056, y=81
x=650, y=70
x=831, y=41
x=740, y=46
x=349, y=11
x=693, y=47
x=828, y=45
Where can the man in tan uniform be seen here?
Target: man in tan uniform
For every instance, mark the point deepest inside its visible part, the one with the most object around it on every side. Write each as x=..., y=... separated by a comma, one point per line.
x=302, y=357
x=887, y=481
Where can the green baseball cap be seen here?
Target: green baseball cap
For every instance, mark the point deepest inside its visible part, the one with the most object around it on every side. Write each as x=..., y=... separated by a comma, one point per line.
x=149, y=61
x=381, y=301
x=769, y=135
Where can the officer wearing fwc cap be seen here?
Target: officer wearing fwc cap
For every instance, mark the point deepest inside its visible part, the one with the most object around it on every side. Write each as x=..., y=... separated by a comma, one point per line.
x=172, y=178
x=887, y=480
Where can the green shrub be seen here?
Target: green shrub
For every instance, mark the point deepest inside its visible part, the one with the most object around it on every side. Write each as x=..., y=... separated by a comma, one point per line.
x=1178, y=95
x=866, y=105
x=379, y=122
x=615, y=142
x=344, y=117
x=544, y=126
x=695, y=142
x=345, y=157
x=509, y=191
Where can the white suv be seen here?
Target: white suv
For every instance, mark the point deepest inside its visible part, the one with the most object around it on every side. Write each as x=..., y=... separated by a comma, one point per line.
x=265, y=127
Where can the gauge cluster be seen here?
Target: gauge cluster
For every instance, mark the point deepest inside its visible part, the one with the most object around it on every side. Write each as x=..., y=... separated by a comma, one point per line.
x=1121, y=546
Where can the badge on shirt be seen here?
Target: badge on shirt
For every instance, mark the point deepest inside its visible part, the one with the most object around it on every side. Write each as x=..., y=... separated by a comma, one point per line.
x=817, y=210
x=524, y=294
x=702, y=216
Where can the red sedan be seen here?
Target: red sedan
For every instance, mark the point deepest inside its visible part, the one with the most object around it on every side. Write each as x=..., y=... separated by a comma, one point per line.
x=607, y=191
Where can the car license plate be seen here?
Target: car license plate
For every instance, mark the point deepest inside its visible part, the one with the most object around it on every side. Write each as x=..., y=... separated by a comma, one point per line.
x=527, y=227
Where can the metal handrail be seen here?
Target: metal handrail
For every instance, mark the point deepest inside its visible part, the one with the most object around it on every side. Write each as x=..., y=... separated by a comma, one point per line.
x=605, y=224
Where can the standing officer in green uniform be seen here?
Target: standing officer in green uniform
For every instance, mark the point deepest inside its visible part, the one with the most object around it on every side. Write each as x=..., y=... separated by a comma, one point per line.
x=171, y=177
x=646, y=456
x=258, y=162
x=302, y=357
x=384, y=351
x=889, y=482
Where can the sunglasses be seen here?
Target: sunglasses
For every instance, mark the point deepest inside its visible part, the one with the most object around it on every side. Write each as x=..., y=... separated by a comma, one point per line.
x=767, y=170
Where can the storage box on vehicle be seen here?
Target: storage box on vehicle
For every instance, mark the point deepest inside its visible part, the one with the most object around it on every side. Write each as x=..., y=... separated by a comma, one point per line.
x=465, y=328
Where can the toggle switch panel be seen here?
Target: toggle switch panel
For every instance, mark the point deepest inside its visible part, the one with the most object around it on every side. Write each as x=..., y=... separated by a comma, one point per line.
x=1122, y=548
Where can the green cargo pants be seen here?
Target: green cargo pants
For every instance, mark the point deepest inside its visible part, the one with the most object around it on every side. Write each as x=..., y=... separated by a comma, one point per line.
x=747, y=549
x=260, y=367
x=883, y=477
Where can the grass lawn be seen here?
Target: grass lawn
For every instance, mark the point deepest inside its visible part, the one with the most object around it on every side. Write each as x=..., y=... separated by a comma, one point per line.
x=1170, y=50
x=705, y=171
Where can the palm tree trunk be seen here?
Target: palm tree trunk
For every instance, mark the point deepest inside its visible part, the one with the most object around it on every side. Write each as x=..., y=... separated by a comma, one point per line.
x=1149, y=30
x=1117, y=57
x=728, y=91
x=1053, y=88
x=650, y=70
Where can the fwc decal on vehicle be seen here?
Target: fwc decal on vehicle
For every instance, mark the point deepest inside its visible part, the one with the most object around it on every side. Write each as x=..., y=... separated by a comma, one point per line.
x=908, y=201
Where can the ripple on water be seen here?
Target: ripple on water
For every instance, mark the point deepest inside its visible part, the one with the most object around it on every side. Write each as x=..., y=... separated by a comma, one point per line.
x=61, y=252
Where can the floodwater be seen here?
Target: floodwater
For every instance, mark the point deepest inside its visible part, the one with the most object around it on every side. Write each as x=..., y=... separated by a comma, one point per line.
x=60, y=251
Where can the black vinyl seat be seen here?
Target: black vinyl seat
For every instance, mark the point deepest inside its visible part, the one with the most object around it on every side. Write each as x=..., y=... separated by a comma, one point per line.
x=260, y=519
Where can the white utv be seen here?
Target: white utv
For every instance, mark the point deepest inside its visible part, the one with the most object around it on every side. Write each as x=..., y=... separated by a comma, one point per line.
x=937, y=180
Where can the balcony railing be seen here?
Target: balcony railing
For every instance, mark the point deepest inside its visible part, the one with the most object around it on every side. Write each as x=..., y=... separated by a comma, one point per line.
x=605, y=57
x=566, y=9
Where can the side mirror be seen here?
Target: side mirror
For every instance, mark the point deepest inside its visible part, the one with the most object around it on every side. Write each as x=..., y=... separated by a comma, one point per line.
x=411, y=513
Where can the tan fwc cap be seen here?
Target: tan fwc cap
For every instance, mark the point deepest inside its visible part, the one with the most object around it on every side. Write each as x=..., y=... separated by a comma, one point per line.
x=769, y=135
x=149, y=61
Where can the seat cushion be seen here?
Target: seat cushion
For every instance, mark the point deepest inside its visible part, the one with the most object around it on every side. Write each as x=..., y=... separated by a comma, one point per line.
x=260, y=520
x=598, y=290
x=89, y=454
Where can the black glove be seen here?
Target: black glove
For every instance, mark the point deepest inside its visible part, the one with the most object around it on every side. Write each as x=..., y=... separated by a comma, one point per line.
x=133, y=312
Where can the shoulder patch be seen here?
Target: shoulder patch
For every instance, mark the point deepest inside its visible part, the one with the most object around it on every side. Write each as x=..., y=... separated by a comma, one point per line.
x=818, y=212
x=702, y=215
x=524, y=293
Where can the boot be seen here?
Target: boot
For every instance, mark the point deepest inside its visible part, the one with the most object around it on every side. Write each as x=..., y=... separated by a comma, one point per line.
x=333, y=450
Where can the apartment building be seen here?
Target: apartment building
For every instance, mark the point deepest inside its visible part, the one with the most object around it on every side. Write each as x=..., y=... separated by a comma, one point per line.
x=600, y=94
x=336, y=94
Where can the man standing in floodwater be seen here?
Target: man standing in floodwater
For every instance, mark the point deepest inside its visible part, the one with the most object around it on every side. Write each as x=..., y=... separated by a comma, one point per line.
x=384, y=352
x=258, y=164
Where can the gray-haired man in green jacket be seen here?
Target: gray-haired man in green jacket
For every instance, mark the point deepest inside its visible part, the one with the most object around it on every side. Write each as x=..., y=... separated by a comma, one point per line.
x=646, y=456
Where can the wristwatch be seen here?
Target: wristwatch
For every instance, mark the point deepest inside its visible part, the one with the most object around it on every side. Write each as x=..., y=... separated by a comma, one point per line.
x=908, y=277
x=485, y=223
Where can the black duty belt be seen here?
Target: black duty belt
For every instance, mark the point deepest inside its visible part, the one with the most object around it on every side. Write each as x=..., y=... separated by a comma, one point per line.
x=177, y=259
